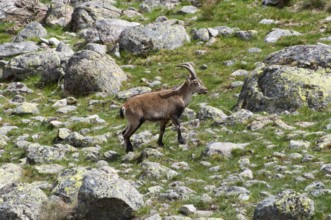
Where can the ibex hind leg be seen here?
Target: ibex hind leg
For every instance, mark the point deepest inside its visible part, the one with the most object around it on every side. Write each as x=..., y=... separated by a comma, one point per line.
x=163, y=124
x=128, y=132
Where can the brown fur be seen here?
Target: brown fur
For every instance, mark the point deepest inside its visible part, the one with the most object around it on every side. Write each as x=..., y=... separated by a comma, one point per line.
x=160, y=106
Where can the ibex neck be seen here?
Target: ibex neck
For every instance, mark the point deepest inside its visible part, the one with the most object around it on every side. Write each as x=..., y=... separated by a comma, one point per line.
x=185, y=92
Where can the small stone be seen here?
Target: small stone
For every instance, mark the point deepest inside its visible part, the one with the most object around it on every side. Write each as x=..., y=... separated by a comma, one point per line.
x=187, y=209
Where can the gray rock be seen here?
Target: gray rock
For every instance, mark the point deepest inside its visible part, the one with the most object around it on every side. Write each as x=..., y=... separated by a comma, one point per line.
x=153, y=170
x=154, y=36
x=210, y=112
x=286, y=205
x=236, y=84
x=38, y=154
x=28, y=10
x=280, y=86
x=224, y=31
x=99, y=48
x=200, y=34
x=314, y=186
x=276, y=34
x=17, y=88
x=59, y=14
x=162, y=3
x=6, y=128
x=143, y=137
x=150, y=153
x=223, y=148
x=31, y=30
x=100, y=191
x=241, y=192
x=254, y=50
x=49, y=168
x=26, y=108
x=189, y=9
x=77, y=140
x=240, y=117
x=297, y=144
x=88, y=71
x=246, y=35
x=45, y=63
x=240, y=73
x=21, y=201
x=133, y=91
x=66, y=109
x=268, y=21
x=323, y=142
x=85, y=15
x=188, y=209
x=111, y=155
x=271, y=2
x=12, y=49
x=10, y=173
x=326, y=168
x=69, y=182
x=109, y=30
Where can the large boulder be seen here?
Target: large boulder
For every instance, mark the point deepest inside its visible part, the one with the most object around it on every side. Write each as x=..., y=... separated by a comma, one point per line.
x=88, y=71
x=20, y=12
x=107, y=31
x=154, y=36
x=13, y=49
x=86, y=14
x=286, y=205
x=21, y=201
x=293, y=77
x=59, y=14
x=31, y=30
x=103, y=196
x=41, y=63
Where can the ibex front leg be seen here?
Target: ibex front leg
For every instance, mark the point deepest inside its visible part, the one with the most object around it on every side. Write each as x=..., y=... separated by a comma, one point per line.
x=176, y=122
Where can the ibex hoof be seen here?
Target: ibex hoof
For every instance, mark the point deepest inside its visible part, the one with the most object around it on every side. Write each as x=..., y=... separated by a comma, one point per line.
x=160, y=144
x=181, y=141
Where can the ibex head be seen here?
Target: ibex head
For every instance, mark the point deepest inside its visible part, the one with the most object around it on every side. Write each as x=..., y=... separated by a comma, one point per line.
x=196, y=84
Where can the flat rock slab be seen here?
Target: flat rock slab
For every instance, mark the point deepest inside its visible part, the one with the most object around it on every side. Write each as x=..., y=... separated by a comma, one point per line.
x=12, y=49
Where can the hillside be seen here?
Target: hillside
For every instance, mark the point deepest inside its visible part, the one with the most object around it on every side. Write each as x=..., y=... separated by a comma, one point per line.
x=257, y=144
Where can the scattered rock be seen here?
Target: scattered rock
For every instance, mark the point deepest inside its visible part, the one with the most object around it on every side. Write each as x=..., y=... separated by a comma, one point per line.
x=12, y=49
x=31, y=30
x=286, y=205
x=9, y=173
x=277, y=33
x=223, y=148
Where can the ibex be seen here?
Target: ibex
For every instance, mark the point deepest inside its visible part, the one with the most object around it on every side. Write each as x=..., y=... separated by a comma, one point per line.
x=160, y=106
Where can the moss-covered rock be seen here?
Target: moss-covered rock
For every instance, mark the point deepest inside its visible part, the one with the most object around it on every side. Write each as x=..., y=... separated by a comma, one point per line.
x=293, y=77
x=21, y=201
x=286, y=205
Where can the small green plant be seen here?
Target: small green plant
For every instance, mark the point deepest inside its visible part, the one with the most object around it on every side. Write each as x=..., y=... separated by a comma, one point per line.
x=314, y=4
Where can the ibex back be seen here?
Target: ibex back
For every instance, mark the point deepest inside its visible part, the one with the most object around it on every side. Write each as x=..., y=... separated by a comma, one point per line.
x=162, y=106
